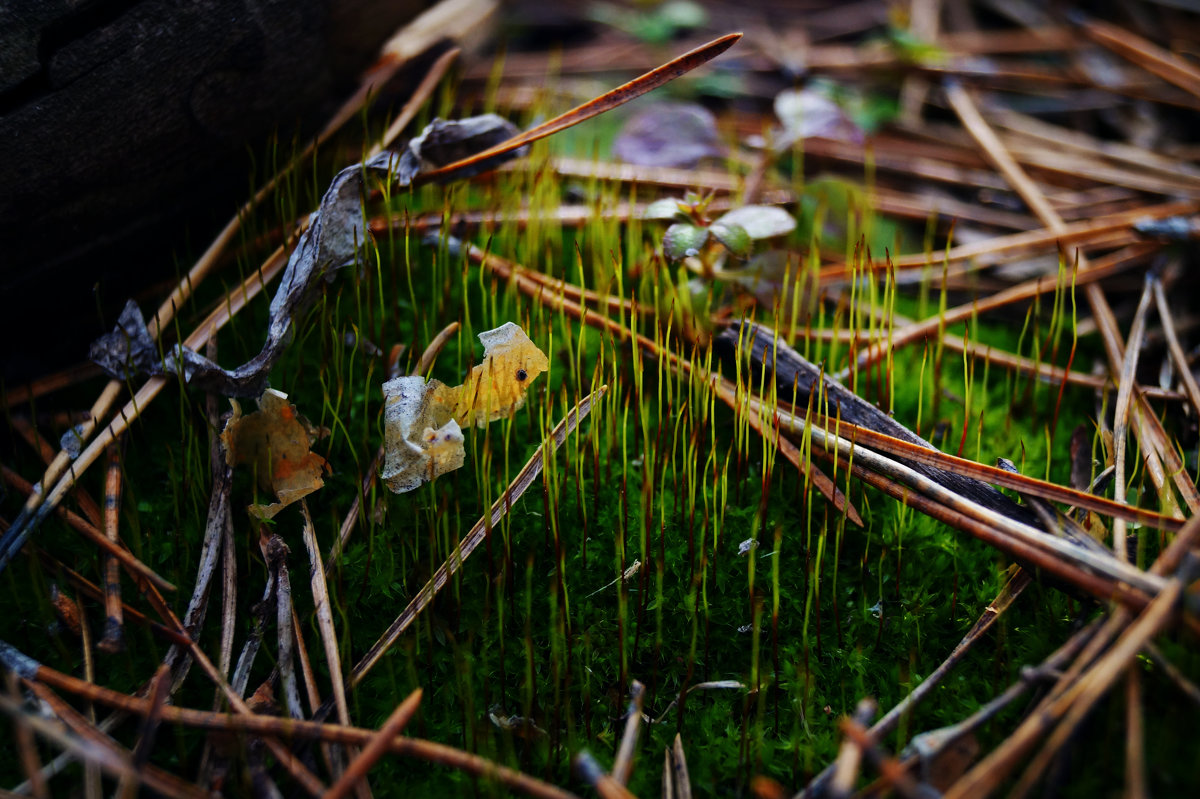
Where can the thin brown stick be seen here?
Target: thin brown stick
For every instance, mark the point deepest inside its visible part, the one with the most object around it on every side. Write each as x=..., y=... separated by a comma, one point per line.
x=1095, y=585
x=991, y=474
x=94, y=747
x=376, y=747
x=1156, y=449
x=274, y=726
x=996, y=766
x=1079, y=233
x=1019, y=293
x=160, y=688
x=1135, y=735
x=833, y=495
x=88, y=531
x=305, y=778
x=1073, y=705
x=894, y=773
x=324, y=614
x=1172, y=672
x=114, y=634
x=82, y=749
x=1009, y=529
x=19, y=395
x=27, y=753
x=1145, y=54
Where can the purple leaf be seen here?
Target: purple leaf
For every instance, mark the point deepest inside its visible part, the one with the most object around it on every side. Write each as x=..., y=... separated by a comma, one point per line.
x=669, y=135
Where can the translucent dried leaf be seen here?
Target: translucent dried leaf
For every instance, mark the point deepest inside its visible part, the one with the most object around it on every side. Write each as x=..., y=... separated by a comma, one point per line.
x=422, y=421
x=416, y=447
x=276, y=442
x=495, y=388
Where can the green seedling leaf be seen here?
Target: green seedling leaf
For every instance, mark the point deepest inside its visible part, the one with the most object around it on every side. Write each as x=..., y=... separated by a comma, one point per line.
x=759, y=221
x=658, y=25
x=683, y=240
x=667, y=208
x=733, y=236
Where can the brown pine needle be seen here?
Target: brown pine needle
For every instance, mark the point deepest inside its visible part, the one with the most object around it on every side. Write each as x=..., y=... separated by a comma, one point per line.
x=1121, y=414
x=89, y=531
x=1182, y=367
x=114, y=635
x=1145, y=54
x=1156, y=449
x=606, y=102
x=271, y=727
x=991, y=474
x=376, y=748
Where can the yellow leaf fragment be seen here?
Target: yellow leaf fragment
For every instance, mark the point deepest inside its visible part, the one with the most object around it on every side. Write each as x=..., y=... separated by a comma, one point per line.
x=276, y=441
x=495, y=388
x=423, y=421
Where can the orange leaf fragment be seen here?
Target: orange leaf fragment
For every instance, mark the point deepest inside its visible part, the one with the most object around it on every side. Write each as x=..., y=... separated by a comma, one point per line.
x=276, y=441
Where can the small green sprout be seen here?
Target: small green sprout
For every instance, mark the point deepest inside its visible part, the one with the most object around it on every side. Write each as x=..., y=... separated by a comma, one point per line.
x=693, y=235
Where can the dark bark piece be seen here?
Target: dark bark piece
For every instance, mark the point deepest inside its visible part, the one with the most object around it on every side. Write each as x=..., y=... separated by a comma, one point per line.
x=125, y=122
x=795, y=379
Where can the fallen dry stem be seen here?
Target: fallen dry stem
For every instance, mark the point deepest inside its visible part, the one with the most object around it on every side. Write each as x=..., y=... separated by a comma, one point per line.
x=991, y=474
x=275, y=726
x=1121, y=414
